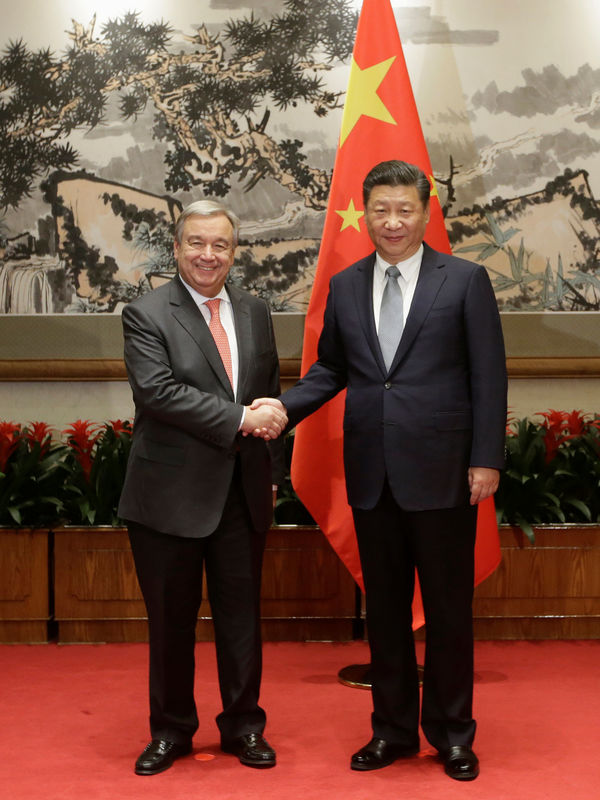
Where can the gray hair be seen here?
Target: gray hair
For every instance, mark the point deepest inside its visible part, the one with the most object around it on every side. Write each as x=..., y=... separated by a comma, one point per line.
x=207, y=208
x=397, y=173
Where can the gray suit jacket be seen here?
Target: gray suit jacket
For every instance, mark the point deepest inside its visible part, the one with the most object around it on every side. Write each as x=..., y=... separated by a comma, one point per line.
x=441, y=407
x=185, y=436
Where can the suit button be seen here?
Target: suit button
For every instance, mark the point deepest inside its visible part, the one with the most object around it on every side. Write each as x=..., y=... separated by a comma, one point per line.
x=387, y=385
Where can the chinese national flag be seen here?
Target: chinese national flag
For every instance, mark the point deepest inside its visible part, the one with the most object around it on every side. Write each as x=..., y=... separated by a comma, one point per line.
x=380, y=122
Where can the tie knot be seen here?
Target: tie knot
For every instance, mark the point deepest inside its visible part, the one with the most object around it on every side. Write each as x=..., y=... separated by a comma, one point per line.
x=392, y=272
x=213, y=306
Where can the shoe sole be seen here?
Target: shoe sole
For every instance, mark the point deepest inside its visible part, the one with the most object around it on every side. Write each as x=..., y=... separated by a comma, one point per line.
x=257, y=764
x=365, y=768
x=382, y=764
x=153, y=771
x=249, y=762
x=468, y=776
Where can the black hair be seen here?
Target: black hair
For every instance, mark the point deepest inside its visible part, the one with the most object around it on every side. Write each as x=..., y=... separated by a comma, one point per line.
x=397, y=173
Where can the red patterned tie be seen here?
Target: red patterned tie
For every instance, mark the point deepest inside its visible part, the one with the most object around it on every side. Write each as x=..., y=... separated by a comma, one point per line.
x=219, y=335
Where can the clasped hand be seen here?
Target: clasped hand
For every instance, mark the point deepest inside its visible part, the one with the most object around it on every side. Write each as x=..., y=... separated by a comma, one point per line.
x=266, y=418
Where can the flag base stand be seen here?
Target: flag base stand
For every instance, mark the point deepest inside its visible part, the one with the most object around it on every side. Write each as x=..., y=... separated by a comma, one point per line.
x=357, y=676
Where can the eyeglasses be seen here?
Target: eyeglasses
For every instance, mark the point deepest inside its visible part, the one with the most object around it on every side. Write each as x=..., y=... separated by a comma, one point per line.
x=198, y=245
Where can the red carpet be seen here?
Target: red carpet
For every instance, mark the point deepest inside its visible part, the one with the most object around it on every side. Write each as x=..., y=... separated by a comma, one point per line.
x=73, y=720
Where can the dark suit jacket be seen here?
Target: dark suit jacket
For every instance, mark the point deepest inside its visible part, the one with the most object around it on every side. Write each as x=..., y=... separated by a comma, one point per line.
x=185, y=436
x=442, y=406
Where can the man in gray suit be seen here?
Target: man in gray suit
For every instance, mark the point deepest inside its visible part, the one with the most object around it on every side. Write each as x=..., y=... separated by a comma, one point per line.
x=199, y=489
x=414, y=336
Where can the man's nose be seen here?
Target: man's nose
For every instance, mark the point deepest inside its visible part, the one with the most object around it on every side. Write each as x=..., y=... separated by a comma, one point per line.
x=393, y=221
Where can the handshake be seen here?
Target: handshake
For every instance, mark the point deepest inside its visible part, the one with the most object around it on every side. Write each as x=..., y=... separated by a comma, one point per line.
x=266, y=418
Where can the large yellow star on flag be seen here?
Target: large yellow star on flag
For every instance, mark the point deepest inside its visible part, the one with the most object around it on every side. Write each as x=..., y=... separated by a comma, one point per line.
x=350, y=216
x=362, y=98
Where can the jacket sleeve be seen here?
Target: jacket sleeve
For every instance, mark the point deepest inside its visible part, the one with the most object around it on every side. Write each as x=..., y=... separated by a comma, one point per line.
x=276, y=446
x=156, y=392
x=487, y=362
x=326, y=377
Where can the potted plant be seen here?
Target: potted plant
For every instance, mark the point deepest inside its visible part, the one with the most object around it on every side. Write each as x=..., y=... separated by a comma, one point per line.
x=31, y=476
x=307, y=593
x=548, y=503
x=96, y=593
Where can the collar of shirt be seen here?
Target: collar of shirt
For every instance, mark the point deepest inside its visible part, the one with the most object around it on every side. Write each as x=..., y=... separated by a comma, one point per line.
x=200, y=299
x=409, y=274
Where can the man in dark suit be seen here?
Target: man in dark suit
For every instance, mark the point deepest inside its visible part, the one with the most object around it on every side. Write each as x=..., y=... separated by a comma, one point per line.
x=420, y=350
x=199, y=490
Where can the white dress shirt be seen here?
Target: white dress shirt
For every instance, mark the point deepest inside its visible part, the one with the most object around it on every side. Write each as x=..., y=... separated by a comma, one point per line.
x=409, y=274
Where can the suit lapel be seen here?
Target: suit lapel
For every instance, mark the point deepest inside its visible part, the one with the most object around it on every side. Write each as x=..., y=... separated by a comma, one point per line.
x=189, y=316
x=363, y=294
x=431, y=278
x=243, y=333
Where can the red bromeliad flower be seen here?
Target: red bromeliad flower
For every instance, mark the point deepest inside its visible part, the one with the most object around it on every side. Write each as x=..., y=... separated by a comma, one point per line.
x=10, y=436
x=555, y=425
x=120, y=427
x=576, y=423
x=41, y=433
x=82, y=438
x=554, y=420
x=562, y=426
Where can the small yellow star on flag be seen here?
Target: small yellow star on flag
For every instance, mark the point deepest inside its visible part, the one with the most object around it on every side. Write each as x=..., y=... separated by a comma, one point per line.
x=434, y=191
x=362, y=98
x=350, y=216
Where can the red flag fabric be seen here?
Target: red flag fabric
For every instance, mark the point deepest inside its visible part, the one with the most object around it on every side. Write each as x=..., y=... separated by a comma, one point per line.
x=380, y=122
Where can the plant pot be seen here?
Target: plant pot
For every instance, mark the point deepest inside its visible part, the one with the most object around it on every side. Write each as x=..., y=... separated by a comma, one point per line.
x=96, y=592
x=306, y=591
x=546, y=590
x=24, y=595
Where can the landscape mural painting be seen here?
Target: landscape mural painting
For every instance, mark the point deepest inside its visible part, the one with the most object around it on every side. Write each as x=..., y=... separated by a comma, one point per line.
x=112, y=121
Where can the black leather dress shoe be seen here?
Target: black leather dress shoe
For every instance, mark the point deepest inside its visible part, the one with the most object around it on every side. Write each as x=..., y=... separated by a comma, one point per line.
x=159, y=755
x=378, y=753
x=252, y=750
x=461, y=763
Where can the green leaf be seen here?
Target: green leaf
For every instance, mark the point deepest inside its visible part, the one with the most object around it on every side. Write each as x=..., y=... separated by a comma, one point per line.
x=581, y=506
x=516, y=268
x=526, y=528
x=495, y=229
x=487, y=251
x=471, y=248
x=15, y=514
